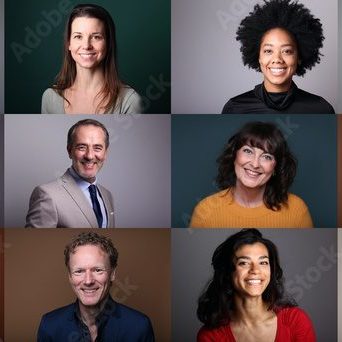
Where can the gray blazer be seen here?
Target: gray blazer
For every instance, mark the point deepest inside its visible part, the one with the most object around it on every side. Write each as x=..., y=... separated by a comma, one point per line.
x=61, y=204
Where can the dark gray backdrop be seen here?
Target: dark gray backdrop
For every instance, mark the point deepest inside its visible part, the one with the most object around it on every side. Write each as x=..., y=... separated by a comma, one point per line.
x=197, y=141
x=308, y=259
x=137, y=169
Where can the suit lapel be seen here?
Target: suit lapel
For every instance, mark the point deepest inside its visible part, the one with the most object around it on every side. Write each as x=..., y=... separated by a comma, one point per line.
x=109, y=207
x=80, y=200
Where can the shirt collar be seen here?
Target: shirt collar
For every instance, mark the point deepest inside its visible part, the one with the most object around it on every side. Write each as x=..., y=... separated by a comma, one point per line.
x=83, y=184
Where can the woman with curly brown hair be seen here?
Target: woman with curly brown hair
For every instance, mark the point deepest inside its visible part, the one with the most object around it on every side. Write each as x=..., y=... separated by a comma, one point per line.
x=245, y=300
x=256, y=170
x=88, y=82
x=280, y=38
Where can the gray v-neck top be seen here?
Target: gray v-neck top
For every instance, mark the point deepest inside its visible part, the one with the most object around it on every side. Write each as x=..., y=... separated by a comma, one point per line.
x=52, y=103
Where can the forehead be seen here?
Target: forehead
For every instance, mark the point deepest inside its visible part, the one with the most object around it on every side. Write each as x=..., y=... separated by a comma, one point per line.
x=86, y=24
x=89, y=132
x=88, y=255
x=252, y=250
x=278, y=36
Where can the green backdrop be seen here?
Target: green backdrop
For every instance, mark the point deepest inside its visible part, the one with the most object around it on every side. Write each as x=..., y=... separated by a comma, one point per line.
x=198, y=140
x=33, y=49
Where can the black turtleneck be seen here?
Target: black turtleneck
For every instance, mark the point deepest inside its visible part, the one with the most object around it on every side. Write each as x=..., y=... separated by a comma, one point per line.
x=295, y=101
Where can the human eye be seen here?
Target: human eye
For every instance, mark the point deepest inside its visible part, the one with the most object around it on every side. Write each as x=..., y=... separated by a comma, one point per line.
x=99, y=270
x=267, y=51
x=265, y=263
x=288, y=51
x=77, y=36
x=247, y=150
x=81, y=147
x=98, y=148
x=268, y=157
x=97, y=37
x=78, y=272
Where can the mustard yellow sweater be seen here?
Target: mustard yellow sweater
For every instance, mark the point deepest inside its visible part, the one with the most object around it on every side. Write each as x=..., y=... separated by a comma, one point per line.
x=221, y=211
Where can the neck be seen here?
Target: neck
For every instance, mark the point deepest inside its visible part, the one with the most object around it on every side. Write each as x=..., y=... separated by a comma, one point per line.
x=248, y=197
x=277, y=88
x=88, y=80
x=89, y=313
x=251, y=310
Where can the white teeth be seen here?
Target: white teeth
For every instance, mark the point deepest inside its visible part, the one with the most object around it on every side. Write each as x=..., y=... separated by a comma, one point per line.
x=252, y=173
x=254, y=281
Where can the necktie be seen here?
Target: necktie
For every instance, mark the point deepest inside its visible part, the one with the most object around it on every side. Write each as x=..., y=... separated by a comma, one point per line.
x=96, y=204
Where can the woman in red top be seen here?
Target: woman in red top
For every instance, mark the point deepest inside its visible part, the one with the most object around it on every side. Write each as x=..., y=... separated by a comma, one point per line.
x=245, y=299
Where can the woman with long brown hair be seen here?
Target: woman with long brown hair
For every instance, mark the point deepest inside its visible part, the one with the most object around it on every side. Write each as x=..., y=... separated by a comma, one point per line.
x=88, y=82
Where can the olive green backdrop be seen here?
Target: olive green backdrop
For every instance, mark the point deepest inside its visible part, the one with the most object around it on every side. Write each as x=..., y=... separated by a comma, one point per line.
x=34, y=39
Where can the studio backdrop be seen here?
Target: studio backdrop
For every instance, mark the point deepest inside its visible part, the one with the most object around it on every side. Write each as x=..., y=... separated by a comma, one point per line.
x=198, y=140
x=308, y=259
x=137, y=170
x=207, y=67
x=142, y=276
x=34, y=42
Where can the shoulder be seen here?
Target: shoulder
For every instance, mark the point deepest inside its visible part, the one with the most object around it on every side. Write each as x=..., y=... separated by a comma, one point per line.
x=236, y=104
x=318, y=103
x=295, y=201
x=57, y=317
x=130, y=101
x=288, y=315
x=217, y=199
x=222, y=333
x=52, y=103
x=126, y=313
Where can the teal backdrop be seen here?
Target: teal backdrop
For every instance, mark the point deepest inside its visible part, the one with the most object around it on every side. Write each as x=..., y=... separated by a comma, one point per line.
x=34, y=40
x=198, y=140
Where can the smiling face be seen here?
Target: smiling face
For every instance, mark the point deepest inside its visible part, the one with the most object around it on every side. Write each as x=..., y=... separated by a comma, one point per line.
x=88, y=151
x=253, y=167
x=90, y=275
x=278, y=58
x=87, y=42
x=252, y=270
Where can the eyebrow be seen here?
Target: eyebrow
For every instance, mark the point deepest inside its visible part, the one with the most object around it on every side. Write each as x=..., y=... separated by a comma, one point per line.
x=91, y=33
x=248, y=258
x=283, y=45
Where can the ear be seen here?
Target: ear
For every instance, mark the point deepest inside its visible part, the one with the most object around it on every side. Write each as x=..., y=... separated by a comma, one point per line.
x=112, y=275
x=69, y=152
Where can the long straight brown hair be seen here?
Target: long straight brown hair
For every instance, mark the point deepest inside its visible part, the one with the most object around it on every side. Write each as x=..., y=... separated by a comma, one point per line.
x=110, y=92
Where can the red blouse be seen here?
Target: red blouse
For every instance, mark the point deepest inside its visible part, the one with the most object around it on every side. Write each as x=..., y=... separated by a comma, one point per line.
x=293, y=325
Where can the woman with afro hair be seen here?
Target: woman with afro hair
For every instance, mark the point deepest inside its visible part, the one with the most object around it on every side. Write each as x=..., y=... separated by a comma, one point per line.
x=280, y=38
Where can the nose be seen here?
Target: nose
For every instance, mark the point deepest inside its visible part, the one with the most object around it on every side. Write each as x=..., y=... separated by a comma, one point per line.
x=86, y=43
x=254, y=268
x=88, y=277
x=278, y=57
x=89, y=154
x=255, y=161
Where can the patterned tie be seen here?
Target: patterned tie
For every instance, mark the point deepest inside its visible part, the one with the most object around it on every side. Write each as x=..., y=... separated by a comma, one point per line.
x=96, y=204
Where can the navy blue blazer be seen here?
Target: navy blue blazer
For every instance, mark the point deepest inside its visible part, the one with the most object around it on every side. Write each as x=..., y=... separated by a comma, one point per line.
x=123, y=324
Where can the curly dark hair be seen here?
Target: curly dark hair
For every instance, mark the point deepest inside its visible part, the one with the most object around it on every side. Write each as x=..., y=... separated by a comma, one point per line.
x=94, y=239
x=217, y=301
x=290, y=16
x=268, y=137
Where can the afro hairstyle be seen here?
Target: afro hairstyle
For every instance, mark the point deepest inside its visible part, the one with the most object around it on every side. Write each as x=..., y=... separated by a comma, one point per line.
x=290, y=16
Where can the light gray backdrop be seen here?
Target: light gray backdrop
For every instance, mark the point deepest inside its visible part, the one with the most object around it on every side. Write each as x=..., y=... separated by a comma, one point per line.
x=137, y=169
x=2, y=52
x=207, y=67
x=308, y=258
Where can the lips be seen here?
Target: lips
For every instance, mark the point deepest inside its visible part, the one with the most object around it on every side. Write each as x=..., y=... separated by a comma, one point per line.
x=253, y=281
x=277, y=71
x=252, y=173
